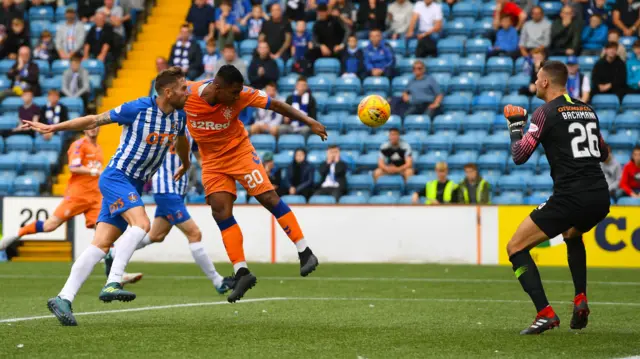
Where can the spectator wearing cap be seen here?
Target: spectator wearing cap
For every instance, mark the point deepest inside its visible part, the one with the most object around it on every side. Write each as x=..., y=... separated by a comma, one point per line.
x=633, y=68
x=441, y=190
x=275, y=176
x=427, y=15
x=565, y=34
x=70, y=35
x=578, y=84
x=186, y=53
x=329, y=35
x=395, y=157
x=594, y=36
x=536, y=33
x=511, y=9
x=609, y=74
x=473, y=189
x=422, y=95
x=333, y=174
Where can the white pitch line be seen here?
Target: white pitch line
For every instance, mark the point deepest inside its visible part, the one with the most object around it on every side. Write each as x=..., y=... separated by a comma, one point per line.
x=187, y=305
x=143, y=309
x=343, y=279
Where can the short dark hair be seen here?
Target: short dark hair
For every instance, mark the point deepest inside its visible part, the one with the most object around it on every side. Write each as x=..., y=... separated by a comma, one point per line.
x=211, y=41
x=636, y=44
x=322, y=7
x=27, y=90
x=612, y=30
x=538, y=7
x=76, y=57
x=70, y=9
x=229, y=46
x=636, y=148
x=168, y=77
x=53, y=91
x=230, y=75
x=394, y=129
x=472, y=166
x=301, y=79
x=611, y=45
x=272, y=84
x=330, y=147
x=557, y=72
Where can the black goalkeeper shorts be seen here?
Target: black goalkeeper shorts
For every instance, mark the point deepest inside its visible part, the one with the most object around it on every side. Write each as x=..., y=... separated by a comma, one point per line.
x=562, y=212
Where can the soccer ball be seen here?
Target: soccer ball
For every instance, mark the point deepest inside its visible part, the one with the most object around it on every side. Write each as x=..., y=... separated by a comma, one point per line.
x=374, y=111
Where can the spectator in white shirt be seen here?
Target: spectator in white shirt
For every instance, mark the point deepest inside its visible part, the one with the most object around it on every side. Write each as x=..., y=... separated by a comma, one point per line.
x=399, y=15
x=267, y=121
x=427, y=15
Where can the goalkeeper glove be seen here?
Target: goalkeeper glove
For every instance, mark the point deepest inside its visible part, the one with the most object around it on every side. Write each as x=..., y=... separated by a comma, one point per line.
x=516, y=117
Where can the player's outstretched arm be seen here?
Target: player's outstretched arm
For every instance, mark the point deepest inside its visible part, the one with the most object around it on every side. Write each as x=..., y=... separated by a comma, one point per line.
x=522, y=147
x=286, y=110
x=77, y=124
x=182, y=149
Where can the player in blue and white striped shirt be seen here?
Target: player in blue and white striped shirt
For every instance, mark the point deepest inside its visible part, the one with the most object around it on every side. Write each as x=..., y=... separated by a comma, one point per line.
x=171, y=211
x=150, y=126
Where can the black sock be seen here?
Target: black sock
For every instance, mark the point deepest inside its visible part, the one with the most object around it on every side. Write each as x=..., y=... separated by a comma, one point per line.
x=577, y=258
x=527, y=273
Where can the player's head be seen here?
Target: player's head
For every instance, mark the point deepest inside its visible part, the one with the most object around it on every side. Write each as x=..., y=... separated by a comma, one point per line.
x=442, y=171
x=92, y=133
x=228, y=83
x=552, y=76
x=471, y=172
x=394, y=136
x=171, y=85
x=635, y=155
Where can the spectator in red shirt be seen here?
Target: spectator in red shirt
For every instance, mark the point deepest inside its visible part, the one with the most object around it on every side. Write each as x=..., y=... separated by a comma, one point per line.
x=630, y=181
x=504, y=7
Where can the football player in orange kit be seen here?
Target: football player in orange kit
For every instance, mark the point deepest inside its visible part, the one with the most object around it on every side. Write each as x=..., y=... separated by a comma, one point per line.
x=228, y=156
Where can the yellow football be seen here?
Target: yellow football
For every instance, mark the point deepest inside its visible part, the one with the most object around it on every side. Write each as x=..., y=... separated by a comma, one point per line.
x=374, y=111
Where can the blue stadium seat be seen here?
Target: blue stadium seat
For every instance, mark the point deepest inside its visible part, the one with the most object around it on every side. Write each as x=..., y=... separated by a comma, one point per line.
x=541, y=183
x=629, y=201
x=493, y=161
x=627, y=121
x=394, y=121
x=241, y=197
x=4, y=82
x=605, y=102
x=462, y=83
x=342, y=103
x=623, y=140
x=382, y=199
x=493, y=82
x=587, y=62
x=461, y=158
x=417, y=183
x=288, y=83
x=332, y=121
x=500, y=65
x=26, y=183
x=441, y=65
x=283, y=159
x=390, y=183
x=477, y=121
x=482, y=28
x=61, y=10
x=11, y=104
x=6, y=65
x=40, y=101
x=41, y=13
x=321, y=83
x=377, y=84
x=477, y=46
x=248, y=46
x=439, y=143
x=349, y=85
x=54, y=144
x=449, y=121
x=516, y=100
x=488, y=9
x=43, y=67
x=316, y=157
x=543, y=164
x=36, y=162
x=196, y=198
x=415, y=140
x=54, y=83
x=8, y=123
x=353, y=199
x=399, y=84
x=326, y=66
x=417, y=123
x=404, y=66
x=289, y=199
x=488, y=101
x=467, y=142
x=530, y=165
x=19, y=143
x=551, y=8
x=353, y=143
x=362, y=182
x=74, y=104
x=630, y=102
x=353, y=123
x=516, y=82
x=456, y=103
x=428, y=161
x=264, y=142
x=451, y=45
x=367, y=162
x=513, y=183
x=408, y=199
x=322, y=200
x=458, y=26
x=59, y=66
x=315, y=143
x=398, y=46
x=290, y=142
x=471, y=64
x=509, y=198
x=535, y=103
x=465, y=9
x=627, y=41
x=497, y=141
x=6, y=185
x=95, y=67
x=443, y=81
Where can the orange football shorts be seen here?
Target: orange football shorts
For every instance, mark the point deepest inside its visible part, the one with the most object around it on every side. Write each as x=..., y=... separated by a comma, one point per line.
x=71, y=207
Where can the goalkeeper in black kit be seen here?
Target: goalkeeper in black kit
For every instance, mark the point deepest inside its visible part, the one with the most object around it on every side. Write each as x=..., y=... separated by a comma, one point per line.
x=569, y=132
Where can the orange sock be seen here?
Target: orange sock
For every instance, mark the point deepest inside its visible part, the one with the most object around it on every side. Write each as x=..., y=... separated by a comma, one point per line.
x=31, y=228
x=290, y=226
x=232, y=239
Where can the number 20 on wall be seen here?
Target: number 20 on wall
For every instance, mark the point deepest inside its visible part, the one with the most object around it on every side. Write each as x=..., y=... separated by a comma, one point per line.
x=253, y=179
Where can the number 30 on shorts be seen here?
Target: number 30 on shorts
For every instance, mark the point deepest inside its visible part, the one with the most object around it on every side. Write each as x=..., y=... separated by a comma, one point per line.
x=253, y=179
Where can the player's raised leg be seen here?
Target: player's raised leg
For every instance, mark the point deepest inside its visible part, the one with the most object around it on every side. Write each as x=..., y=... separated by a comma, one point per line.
x=527, y=236
x=49, y=225
x=289, y=224
x=222, y=209
x=60, y=306
x=577, y=259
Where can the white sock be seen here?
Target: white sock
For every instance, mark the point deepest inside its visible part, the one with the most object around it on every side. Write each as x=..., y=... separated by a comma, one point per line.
x=144, y=242
x=125, y=246
x=202, y=258
x=301, y=245
x=80, y=271
x=238, y=266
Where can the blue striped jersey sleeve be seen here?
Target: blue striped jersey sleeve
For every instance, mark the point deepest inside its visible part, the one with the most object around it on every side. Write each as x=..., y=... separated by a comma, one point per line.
x=126, y=113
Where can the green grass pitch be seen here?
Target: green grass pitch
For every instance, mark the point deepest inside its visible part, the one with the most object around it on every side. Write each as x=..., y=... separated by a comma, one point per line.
x=340, y=311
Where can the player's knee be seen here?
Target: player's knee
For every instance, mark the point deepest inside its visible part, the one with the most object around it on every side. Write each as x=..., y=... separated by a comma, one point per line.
x=194, y=236
x=513, y=247
x=157, y=237
x=268, y=199
x=143, y=223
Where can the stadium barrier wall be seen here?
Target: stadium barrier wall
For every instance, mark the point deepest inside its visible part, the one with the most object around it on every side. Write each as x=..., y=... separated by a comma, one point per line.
x=400, y=234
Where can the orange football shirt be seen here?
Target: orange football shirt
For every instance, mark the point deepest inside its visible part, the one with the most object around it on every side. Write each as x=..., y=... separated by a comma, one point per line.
x=217, y=129
x=84, y=153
